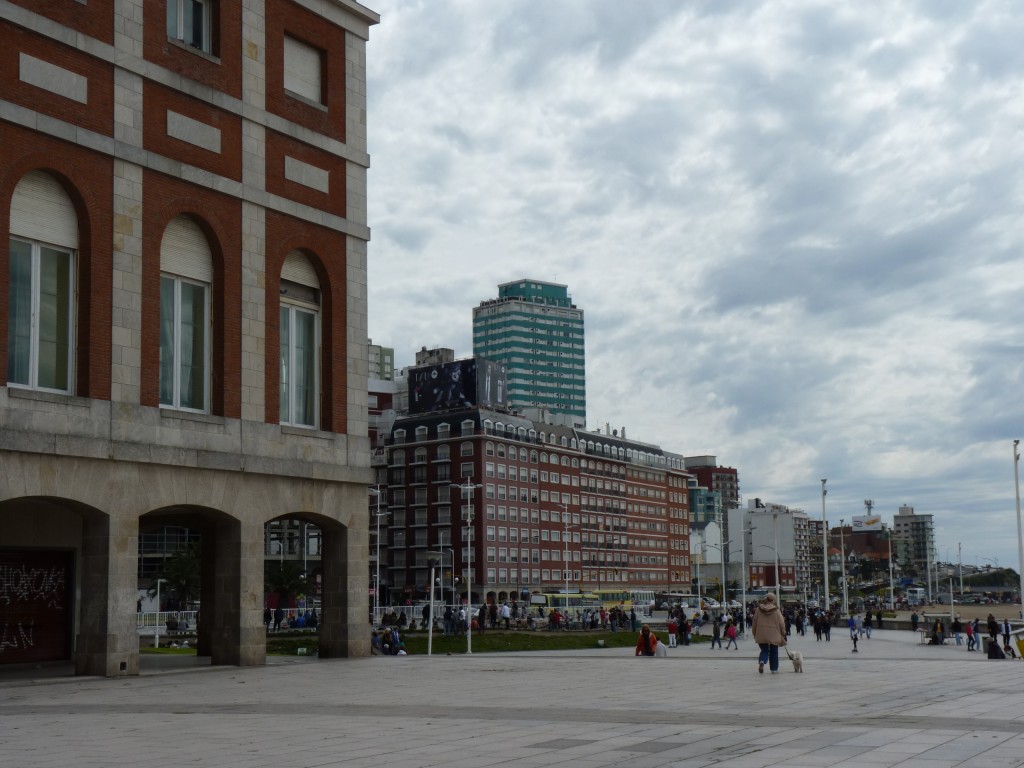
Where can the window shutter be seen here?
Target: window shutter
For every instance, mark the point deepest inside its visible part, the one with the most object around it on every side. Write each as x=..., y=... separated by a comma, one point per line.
x=302, y=69
x=41, y=210
x=298, y=269
x=184, y=251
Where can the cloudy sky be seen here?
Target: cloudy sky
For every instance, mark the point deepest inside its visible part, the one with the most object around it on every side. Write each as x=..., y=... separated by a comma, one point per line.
x=796, y=227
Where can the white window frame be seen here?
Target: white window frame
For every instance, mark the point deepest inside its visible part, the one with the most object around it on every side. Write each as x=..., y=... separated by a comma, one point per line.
x=177, y=9
x=33, y=363
x=176, y=344
x=294, y=307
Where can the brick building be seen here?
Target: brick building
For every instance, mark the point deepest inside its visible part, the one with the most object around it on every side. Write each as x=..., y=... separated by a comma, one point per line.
x=183, y=257
x=549, y=505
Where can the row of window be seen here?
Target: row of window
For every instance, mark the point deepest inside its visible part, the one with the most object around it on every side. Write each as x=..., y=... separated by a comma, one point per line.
x=43, y=307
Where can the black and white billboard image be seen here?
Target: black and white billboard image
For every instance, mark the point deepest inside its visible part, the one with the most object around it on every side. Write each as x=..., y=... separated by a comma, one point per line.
x=461, y=384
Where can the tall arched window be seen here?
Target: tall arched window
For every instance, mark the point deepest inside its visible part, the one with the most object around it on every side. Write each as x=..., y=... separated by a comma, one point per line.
x=186, y=273
x=41, y=288
x=300, y=341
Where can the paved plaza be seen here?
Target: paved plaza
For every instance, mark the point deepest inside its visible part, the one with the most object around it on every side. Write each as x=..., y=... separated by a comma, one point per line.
x=895, y=703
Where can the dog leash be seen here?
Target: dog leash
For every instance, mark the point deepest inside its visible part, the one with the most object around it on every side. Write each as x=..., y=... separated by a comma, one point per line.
x=788, y=653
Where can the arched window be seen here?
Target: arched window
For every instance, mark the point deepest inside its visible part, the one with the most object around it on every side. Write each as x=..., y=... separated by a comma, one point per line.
x=300, y=341
x=41, y=288
x=186, y=273
x=443, y=452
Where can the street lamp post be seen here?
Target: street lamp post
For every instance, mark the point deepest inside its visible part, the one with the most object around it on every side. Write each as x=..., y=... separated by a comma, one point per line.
x=156, y=635
x=842, y=555
x=721, y=552
x=432, y=557
x=376, y=491
x=775, y=535
x=960, y=566
x=1020, y=537
x=565, y=551
x=824, y=542
x=467, y=489
x=892, y=591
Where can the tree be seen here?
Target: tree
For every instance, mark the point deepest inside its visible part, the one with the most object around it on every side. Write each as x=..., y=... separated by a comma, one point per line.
x=285, y=579
x=181, y=573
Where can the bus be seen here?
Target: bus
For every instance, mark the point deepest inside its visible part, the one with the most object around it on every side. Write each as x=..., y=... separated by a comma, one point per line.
x=641, y=599
x=665, y=600
x=562, y=600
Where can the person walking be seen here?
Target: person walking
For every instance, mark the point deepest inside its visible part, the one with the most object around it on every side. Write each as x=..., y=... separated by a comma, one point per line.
x=730, y=634
x=673, y=630
x=1006, y=632
x=993, y=628
x=769, y=630
x=914, y=621
x=716, y=633
x=956, y=628
x=969, y=631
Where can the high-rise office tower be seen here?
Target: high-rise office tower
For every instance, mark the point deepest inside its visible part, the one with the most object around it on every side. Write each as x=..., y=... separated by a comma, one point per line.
x=535, y=330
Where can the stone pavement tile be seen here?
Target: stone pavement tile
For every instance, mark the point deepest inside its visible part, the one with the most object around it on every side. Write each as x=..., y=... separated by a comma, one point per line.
x=874, y=759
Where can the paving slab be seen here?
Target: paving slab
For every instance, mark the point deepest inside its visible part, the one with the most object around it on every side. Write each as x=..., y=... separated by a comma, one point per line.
x=893, y=703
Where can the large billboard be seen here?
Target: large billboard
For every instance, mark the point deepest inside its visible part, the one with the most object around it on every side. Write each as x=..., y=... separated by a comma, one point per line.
x=865, y=523
x=460, y=384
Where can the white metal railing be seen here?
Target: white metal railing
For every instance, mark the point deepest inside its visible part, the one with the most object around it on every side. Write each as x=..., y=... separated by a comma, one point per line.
x=147, y=621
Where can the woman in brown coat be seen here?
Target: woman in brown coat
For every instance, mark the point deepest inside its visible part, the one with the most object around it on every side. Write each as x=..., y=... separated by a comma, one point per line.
x=769, y=628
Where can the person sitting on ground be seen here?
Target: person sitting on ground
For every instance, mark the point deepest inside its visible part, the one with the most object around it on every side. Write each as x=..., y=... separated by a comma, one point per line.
x=646, y=642
x=1010, y=653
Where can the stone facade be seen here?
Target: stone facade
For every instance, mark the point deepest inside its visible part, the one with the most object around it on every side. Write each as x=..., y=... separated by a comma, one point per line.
x=124, y=117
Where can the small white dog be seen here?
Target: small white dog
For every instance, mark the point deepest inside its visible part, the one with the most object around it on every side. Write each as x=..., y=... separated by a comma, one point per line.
x=798, y=661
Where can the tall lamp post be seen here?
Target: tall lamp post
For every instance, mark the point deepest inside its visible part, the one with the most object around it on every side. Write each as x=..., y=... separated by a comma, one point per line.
x=432, y=557
x=1020, y=537
x=892, y=590
x=824, y=542
x=156, y=633
x=467, y=489
x=842, y=555
x=565, y=552
x=721, y=552
x=378, y=492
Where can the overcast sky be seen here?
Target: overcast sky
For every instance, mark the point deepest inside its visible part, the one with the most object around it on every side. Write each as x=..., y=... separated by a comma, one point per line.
x=796, y=227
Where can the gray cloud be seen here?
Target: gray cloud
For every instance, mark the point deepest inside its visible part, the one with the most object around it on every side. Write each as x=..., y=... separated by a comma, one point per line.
x=795, y=227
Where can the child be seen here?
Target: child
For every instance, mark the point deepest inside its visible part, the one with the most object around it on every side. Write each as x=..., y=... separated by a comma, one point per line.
x=730, y=634
x=673, y=629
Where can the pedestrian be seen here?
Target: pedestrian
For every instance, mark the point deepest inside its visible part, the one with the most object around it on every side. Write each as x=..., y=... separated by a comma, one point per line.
x=956, y=628
x=914, y=620
x=1006, y=631
x=730, y=634
x=969, y=631
x=673, y=629
x=646, y=642
x=268, y=617
x=449, y=620
x=632, y=619
x=716, y=633
x=506, y=614
x=993, y=628
x=278, y=618
x=769, y=630
x=852, y=624
x=684, y=630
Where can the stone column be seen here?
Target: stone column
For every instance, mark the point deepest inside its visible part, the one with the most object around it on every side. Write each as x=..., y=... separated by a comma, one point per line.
x=107, y=642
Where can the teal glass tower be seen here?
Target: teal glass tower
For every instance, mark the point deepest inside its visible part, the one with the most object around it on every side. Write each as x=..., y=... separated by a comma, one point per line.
x=536, y=332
